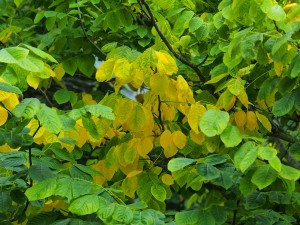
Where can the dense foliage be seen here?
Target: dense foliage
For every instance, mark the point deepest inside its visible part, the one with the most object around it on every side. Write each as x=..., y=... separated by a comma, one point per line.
x=211, y=135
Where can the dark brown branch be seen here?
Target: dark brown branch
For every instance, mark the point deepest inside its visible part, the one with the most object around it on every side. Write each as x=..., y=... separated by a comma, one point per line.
x=290, y=160
x=160, y=115
x=85, y=34
x=164, y=39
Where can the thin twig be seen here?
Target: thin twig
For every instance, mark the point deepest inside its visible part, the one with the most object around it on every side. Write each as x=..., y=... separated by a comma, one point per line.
x=164, y=39
x=203, y=61
x=85, y=34
x=160, y=115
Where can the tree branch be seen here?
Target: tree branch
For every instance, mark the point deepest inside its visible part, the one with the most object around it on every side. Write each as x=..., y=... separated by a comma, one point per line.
x=290, y=160
x=164, y=39
x=85, y=34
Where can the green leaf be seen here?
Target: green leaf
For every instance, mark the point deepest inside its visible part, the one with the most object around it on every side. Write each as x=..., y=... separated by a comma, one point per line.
x=67, y=122
x=13, y=54
x=5, y=202
x=213, y=122
x=28, y=108
x=41, y=190
x=289, y=173
x=208, y=172
x=88, y=170
x=100, y=110
x=9, y=88
x=70, y=66
x=276, y=13
x=284, y=105
x=255, y=200
x=106, y=209
x=275, y=163
x=123, y=214
x=219, y=214
x=245, y=156
x=40, y=53
x=236, y=86
x=215, y=159
x=178, y=163
x=191, y=217
x=84, y=205
x=62, y=96
x=266, y=153
x=49, y=119
x=264, y=176
x=231, y=136
x=195, y=23
x=158, y=192
x=113, y=20
x=294, y=68
x=90, y=127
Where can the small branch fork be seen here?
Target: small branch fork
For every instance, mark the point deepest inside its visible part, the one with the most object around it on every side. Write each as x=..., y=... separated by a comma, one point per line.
x=85, y=33
x=164, y=39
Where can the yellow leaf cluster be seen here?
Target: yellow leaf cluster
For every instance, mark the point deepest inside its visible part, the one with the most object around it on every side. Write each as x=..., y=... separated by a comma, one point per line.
x=194, y=115
x=171, y=142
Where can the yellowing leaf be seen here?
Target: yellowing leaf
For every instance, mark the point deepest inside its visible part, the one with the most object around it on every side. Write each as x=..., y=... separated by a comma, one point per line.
x=138, y=78
x=123, y=109
x=11, y=102
x=278, y=67
x=159, y=83
x=6, y=148
x=168, y=112
x=122, y=69
x=167, y=179
x=166, y=64
x=240, y=118
x=4, y=95
x=129, y=186
x=194, y=115
x=264, y=121
x=166, y=139
x=136, y=120
x=251, y=120
x=33, y=81
x=105, y=71
x=59, y=71
x=243, y=97
x=170, y=151
x=179, y=139
x=144, y=147
x=235, y=86
x=108, y=173
x=134, y=173
x=197, y=138
x=4, y=115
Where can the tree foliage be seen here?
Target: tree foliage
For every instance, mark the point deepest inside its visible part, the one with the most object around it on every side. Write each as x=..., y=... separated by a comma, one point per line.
x=210, y=137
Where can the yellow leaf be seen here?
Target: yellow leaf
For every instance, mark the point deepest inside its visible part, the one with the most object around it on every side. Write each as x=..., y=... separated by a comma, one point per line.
x=159, y=83
x=226, y=100
x=88, y=99
x=11, y=102
x=129, y=186
x=144, y=146
x=4, y=115
x=138, y=78
x=107, y=173
x=194, y=115
x=166, y=139
x=264, y=121
x=83, y=137
x=134, y=173
x=197, y=138
x=251, y=120
x=122, y=69
x=123, y=109
x=167, y=179
x=168, y=112
x=240, y=118
x=235, y=86
x=33, y=80
x=136, y=120
x=105, y=71
x=278, y=67
x=166, y=64
x=170, y=151
x=179, y=139
x=243, y=97
x=4, y=95
x=59, y=71
x=6, y=148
